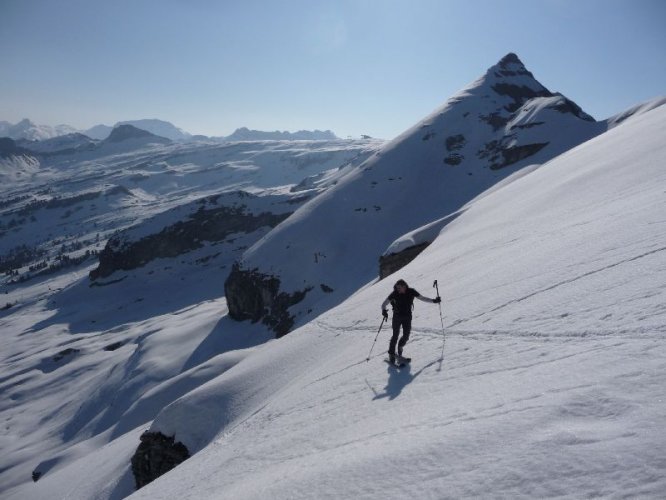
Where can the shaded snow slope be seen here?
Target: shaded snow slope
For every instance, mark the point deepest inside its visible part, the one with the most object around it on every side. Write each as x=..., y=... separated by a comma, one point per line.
x=500, y=123
x=16, y=168
x=547, y=379
x=85, y=362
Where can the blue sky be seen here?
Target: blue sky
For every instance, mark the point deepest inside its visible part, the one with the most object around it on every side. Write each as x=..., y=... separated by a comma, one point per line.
x=353, y=66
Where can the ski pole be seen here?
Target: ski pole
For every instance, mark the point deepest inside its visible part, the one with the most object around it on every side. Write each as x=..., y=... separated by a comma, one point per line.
x=376, y=337
x=440, y=316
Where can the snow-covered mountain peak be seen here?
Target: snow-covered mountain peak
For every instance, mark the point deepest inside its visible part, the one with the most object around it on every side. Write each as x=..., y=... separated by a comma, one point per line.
x=27, y=129
x=503, y=121
x=508, y=82
x=511, y=65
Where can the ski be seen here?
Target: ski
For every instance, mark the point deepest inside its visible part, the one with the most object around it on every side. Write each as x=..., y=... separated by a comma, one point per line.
x=396, y=364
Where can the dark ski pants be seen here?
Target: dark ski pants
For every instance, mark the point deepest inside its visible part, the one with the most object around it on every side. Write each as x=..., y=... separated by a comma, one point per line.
x=406, y=323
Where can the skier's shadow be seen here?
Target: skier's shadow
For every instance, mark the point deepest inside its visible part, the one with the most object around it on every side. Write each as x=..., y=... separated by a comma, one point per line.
x=398, y=379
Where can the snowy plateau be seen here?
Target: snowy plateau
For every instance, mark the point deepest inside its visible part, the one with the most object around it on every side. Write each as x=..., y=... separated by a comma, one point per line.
x=223, y=301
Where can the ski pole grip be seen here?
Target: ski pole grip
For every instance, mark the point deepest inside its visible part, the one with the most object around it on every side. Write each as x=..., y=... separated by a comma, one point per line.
x=436, y=287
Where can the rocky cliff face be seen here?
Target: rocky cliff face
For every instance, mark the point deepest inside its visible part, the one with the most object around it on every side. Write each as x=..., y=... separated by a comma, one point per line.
x=210, y=223
x=156, y=455
x=388, y=264
x=254, y=296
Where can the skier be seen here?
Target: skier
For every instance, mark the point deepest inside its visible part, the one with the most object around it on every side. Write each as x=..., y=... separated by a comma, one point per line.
x=402, y=300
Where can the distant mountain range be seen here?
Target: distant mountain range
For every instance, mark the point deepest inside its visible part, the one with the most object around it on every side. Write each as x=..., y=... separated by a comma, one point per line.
x=29, y=131
x=26, y=129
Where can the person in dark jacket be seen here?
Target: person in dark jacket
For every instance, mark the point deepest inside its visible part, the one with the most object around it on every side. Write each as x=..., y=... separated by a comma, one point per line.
x=402, y=300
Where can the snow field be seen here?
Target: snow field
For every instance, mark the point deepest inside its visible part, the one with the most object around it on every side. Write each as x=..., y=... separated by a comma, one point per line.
x=549, y=381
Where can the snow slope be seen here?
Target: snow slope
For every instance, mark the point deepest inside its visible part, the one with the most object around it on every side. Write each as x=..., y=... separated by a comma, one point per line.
x=502, y=122
x=84, y=362
x=546, y=379
x=555, y=322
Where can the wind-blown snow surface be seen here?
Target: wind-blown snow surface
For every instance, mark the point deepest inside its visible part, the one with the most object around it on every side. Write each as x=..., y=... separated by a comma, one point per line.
x=546, y=380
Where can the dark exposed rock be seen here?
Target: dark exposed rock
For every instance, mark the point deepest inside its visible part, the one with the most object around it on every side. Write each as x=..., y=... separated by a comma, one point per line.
x=156, y=455
x=455, y=142
x=388, y=264
x=519, y=93
x=67, y=352
x=204, y=225
x=254, y=296
x=114, y=346
x=491, y=151
x=454, y=159
x=495, y=120
x=499, y=155
x=526, y=125
x=36, y=475
x=516, y=153
x=326, y=288
x=518, y=66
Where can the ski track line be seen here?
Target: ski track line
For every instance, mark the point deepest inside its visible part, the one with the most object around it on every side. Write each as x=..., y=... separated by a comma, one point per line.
x=638, y=334
x=568, y=281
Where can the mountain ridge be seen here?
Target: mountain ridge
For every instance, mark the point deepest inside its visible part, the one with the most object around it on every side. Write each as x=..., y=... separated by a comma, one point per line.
x=501, y=122
x=29, y=131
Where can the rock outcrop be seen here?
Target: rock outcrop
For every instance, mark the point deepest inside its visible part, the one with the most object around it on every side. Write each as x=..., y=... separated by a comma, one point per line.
x=205, y=225
x=156, y=455
x=254, y=296
x=388, y=264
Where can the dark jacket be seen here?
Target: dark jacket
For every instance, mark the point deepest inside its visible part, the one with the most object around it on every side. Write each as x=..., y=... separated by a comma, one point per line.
x=403, y=303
